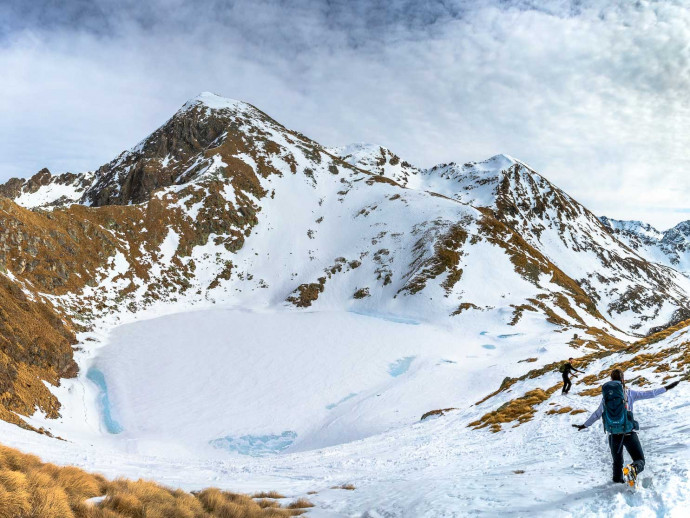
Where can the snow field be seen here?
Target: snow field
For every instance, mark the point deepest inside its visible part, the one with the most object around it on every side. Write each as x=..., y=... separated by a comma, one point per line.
x=180, y=381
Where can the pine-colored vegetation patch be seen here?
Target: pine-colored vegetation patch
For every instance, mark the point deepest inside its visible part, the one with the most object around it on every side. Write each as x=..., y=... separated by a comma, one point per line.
x=31, y=488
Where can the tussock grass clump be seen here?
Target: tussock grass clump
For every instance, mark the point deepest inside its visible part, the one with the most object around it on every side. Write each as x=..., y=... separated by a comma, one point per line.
x=34, y=489
x=439, y=412
x=562, y=410
x=565, y=410
x=347, y=487
x=300, y=503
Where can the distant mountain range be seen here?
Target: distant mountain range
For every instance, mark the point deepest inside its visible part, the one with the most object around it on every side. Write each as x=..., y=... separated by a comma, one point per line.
x=670, y=247
x=224, y=205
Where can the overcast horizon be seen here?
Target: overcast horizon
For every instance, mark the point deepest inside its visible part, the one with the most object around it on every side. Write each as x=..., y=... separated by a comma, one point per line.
x=593, y=94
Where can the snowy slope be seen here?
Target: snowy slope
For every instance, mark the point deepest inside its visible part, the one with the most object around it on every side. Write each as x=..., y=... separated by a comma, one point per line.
x=379, y=160
x=436, y=467
x=571, y=237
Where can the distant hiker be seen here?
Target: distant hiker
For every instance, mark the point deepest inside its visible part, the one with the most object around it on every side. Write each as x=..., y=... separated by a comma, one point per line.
x=616, y=411
x=566, y=369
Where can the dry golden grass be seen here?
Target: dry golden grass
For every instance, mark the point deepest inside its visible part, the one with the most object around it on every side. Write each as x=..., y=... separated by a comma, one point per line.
x=30, y=488
x=348, y=487
x=590, y=392
x=562, y=410
x=268, y=494
x=300, y=503
x=671, y=360
x=520, y=409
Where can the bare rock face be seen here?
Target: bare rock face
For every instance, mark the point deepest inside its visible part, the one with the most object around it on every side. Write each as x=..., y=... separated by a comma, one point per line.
x=159, y=161
x=38, y=180
x=16, y=186
x=12, y=188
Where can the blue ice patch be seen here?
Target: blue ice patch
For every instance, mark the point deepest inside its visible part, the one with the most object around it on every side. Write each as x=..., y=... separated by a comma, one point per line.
x=483, y=333
x=255, y=445
x=333, y=405
x=489, y=346
x=508, y=336
x=401, y=366
x=98, y=378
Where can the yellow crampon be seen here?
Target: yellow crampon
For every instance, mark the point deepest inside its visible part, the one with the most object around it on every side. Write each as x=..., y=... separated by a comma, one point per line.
x=630, y=475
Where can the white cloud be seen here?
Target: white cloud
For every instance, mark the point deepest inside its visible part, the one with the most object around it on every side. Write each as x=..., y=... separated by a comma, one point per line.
x=593, y=94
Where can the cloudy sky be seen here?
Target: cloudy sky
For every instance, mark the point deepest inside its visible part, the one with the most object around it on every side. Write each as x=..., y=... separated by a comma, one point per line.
x=594, y=94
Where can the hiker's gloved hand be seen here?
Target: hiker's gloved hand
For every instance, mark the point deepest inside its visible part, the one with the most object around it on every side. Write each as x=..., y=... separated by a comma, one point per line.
x=671, y=385
x=580, y=427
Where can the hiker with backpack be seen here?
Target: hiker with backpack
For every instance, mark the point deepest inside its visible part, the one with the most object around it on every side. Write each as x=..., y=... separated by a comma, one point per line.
x=566, y=369
x=616, y=411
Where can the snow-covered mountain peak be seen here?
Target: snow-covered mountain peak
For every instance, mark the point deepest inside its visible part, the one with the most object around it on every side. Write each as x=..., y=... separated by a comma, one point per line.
x=498, y=162
x=213, y=101
x=489, y=170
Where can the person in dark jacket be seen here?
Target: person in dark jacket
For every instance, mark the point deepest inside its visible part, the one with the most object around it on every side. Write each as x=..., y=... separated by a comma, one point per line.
x=629, y=440
x=567, y=369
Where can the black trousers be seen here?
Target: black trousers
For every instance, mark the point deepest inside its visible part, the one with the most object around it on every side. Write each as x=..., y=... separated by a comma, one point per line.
x=566, y=383
x=632, y=444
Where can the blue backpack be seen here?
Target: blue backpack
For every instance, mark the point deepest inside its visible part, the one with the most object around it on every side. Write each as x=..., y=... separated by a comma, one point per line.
x=617, y=419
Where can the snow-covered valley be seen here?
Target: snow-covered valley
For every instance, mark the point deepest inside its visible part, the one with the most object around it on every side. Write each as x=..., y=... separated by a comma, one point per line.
x=178, y=383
